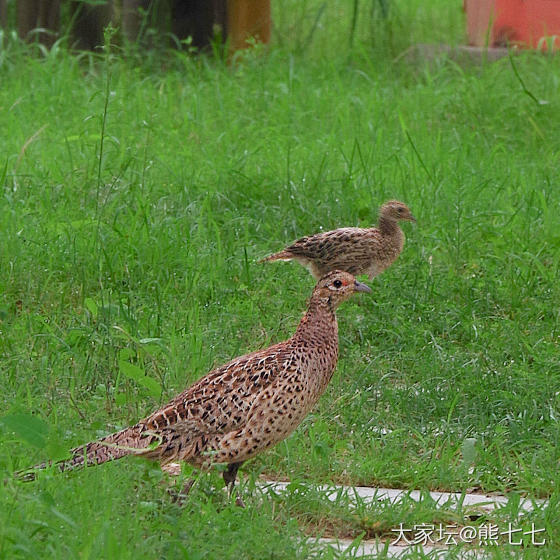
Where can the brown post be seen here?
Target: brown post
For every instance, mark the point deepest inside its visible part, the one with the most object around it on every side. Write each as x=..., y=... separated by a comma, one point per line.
x=89, y=23
x=131, y=17
x=34, y=14
x=3, y=14
x=193, y=19
x=26, y=17
x=246, y=19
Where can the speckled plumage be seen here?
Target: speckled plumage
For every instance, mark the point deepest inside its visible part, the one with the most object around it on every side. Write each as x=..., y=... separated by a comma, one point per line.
x=355, y=250
x=243, y=407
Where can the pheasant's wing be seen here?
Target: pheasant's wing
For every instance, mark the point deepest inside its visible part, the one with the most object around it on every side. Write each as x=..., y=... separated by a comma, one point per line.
x=358, y=252
x=324, y=246
x=220, y=401
x=216, y=404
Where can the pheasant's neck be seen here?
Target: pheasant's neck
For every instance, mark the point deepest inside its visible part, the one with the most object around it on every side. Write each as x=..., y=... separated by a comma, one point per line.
x=318, y=327
x=316, y=340
x=388, y=226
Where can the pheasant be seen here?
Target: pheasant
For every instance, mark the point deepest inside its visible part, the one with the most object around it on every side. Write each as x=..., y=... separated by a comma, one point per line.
x=355, y=250
x=241, y=408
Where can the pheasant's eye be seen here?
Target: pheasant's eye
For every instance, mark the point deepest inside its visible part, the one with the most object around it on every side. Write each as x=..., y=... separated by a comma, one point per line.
x=337, y=283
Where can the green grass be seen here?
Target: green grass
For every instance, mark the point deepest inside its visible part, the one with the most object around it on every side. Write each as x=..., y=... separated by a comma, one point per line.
x=449, y=375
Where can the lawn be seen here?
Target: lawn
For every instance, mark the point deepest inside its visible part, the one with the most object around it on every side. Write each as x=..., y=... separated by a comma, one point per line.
x=135, y=205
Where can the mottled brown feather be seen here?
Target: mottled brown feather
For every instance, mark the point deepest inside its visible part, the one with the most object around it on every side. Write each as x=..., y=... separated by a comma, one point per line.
x=355, y=250
x=243, y=407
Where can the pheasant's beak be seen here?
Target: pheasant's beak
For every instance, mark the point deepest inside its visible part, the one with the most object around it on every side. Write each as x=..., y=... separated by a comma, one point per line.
x=361, y=287
x=412, y=218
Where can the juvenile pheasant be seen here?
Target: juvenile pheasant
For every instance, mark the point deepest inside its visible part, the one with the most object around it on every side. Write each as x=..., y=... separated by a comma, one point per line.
x=241, y=408
x=356, y=250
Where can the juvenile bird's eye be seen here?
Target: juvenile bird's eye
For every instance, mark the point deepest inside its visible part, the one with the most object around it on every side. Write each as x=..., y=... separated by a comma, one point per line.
x=337, y=283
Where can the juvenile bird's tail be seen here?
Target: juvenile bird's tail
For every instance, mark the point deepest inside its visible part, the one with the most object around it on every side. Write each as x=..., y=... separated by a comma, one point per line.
x=135, y=440
x=284, y=255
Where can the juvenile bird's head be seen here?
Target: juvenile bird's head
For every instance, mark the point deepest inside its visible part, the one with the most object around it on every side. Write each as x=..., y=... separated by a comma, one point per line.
x=395, y=210
x=335, y=287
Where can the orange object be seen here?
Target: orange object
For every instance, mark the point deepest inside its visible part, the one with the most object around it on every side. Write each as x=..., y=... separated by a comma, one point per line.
x=526, y=23
x=247, y=19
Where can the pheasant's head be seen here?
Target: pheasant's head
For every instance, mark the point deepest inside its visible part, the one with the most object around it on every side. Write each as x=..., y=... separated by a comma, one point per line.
x=395, y=210
x=335, y=287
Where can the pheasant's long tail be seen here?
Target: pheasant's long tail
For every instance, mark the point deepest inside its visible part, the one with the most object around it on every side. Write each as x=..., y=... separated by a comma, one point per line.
x=130, y=441
x=281, y=256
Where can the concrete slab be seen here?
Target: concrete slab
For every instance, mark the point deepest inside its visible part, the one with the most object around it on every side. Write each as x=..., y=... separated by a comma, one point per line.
x=485, y=502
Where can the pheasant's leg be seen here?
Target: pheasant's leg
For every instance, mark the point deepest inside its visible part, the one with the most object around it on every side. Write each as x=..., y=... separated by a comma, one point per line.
x=229, y=478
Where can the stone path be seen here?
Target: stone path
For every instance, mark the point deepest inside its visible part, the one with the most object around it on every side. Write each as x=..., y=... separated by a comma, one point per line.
x=484, y=503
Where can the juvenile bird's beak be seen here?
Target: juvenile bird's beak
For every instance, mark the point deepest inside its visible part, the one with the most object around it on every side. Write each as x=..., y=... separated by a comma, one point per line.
x=412, y=218
x=361, y=287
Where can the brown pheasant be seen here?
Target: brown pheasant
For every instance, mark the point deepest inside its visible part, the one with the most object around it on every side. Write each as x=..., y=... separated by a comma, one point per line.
x=356, y=250
x=241, y=408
